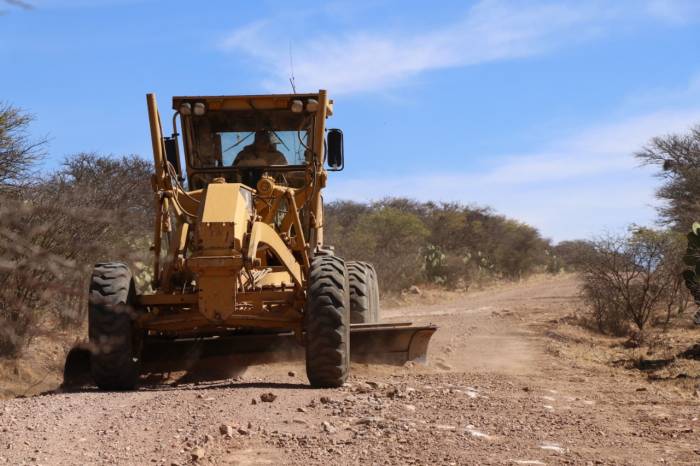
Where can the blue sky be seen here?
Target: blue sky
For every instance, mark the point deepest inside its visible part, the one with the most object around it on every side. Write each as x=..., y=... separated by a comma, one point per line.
x=531, y=107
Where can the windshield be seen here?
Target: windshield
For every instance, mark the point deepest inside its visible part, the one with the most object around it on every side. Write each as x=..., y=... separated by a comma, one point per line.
x=236, y=139
x=292, y=145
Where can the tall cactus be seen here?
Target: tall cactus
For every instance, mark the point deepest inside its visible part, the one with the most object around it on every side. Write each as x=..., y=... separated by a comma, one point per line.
x=692, y=260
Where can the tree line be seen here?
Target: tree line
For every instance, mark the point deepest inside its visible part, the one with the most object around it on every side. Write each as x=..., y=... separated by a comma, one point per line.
x=447, y=244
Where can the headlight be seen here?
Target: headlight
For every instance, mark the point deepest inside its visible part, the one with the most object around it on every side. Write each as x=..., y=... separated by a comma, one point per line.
x=199, y=109
x=297, y=106
x=185, y=109
x=311, y=105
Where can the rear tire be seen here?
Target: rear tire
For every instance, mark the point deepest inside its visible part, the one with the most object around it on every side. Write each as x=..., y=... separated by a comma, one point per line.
x=364, y=293
x=327, y=317
x=374, y=293
x=116, y=358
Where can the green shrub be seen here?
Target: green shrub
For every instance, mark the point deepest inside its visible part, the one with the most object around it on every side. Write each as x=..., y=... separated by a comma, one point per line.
x=448, y=243
x=389, y=238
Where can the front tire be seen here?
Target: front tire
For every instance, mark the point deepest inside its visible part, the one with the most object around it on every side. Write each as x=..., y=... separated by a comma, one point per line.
x=115, y=359
x=327, y=318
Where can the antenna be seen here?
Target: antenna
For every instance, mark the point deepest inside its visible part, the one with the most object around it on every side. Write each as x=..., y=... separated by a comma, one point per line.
x=291, y=69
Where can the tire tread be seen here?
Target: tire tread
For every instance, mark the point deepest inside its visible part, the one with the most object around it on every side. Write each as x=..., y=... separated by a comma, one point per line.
x=115, y=359
x=327, y=317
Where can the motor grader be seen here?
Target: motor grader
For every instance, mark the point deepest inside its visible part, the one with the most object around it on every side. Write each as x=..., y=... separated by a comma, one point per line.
x=239, y=259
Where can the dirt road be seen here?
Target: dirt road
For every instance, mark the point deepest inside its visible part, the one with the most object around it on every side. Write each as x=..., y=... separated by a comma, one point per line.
x=502, y=388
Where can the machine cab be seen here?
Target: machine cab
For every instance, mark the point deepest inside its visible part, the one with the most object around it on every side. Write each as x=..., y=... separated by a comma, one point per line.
x=243, y=138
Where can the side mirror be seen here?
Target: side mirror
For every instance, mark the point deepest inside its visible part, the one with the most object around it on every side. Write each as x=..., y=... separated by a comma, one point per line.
x=172, y=153
x=335, y=158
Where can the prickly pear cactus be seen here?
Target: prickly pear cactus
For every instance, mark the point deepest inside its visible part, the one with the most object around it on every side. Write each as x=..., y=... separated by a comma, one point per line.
x=434, y=263
x=692, y=260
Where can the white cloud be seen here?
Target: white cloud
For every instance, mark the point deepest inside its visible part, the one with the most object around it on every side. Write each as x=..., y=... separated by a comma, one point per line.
x=361, y=60
x=675, y=11
x=573, y=188
x=491, y=30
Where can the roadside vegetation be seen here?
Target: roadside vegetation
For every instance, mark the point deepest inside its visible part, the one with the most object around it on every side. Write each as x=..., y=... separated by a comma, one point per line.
x=633, y=283
x=55, y=226
x=633, y=280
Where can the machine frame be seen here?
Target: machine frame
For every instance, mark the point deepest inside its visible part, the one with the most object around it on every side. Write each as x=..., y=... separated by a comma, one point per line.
x=275, y=301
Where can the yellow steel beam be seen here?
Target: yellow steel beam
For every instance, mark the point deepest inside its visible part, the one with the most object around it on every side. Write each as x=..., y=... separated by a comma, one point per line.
x=265, y=234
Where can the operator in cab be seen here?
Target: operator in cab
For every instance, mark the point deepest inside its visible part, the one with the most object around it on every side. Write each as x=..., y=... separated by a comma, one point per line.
x=261, y=153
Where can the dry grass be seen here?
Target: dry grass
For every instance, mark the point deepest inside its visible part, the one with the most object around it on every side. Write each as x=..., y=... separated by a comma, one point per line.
x=660, y=360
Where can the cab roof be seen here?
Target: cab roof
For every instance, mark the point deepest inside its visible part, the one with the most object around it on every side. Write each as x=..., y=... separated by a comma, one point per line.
x=248, y=102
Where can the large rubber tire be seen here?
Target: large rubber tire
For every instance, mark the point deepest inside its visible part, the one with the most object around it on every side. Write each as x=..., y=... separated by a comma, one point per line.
x=364, y=293
x=116, y=352
x=327, y=321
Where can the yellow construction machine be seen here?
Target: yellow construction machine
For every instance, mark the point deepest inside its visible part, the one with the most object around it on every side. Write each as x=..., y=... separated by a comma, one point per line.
x=240, y=264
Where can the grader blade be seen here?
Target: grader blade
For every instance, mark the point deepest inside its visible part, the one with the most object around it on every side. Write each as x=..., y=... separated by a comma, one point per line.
x=394, y=343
